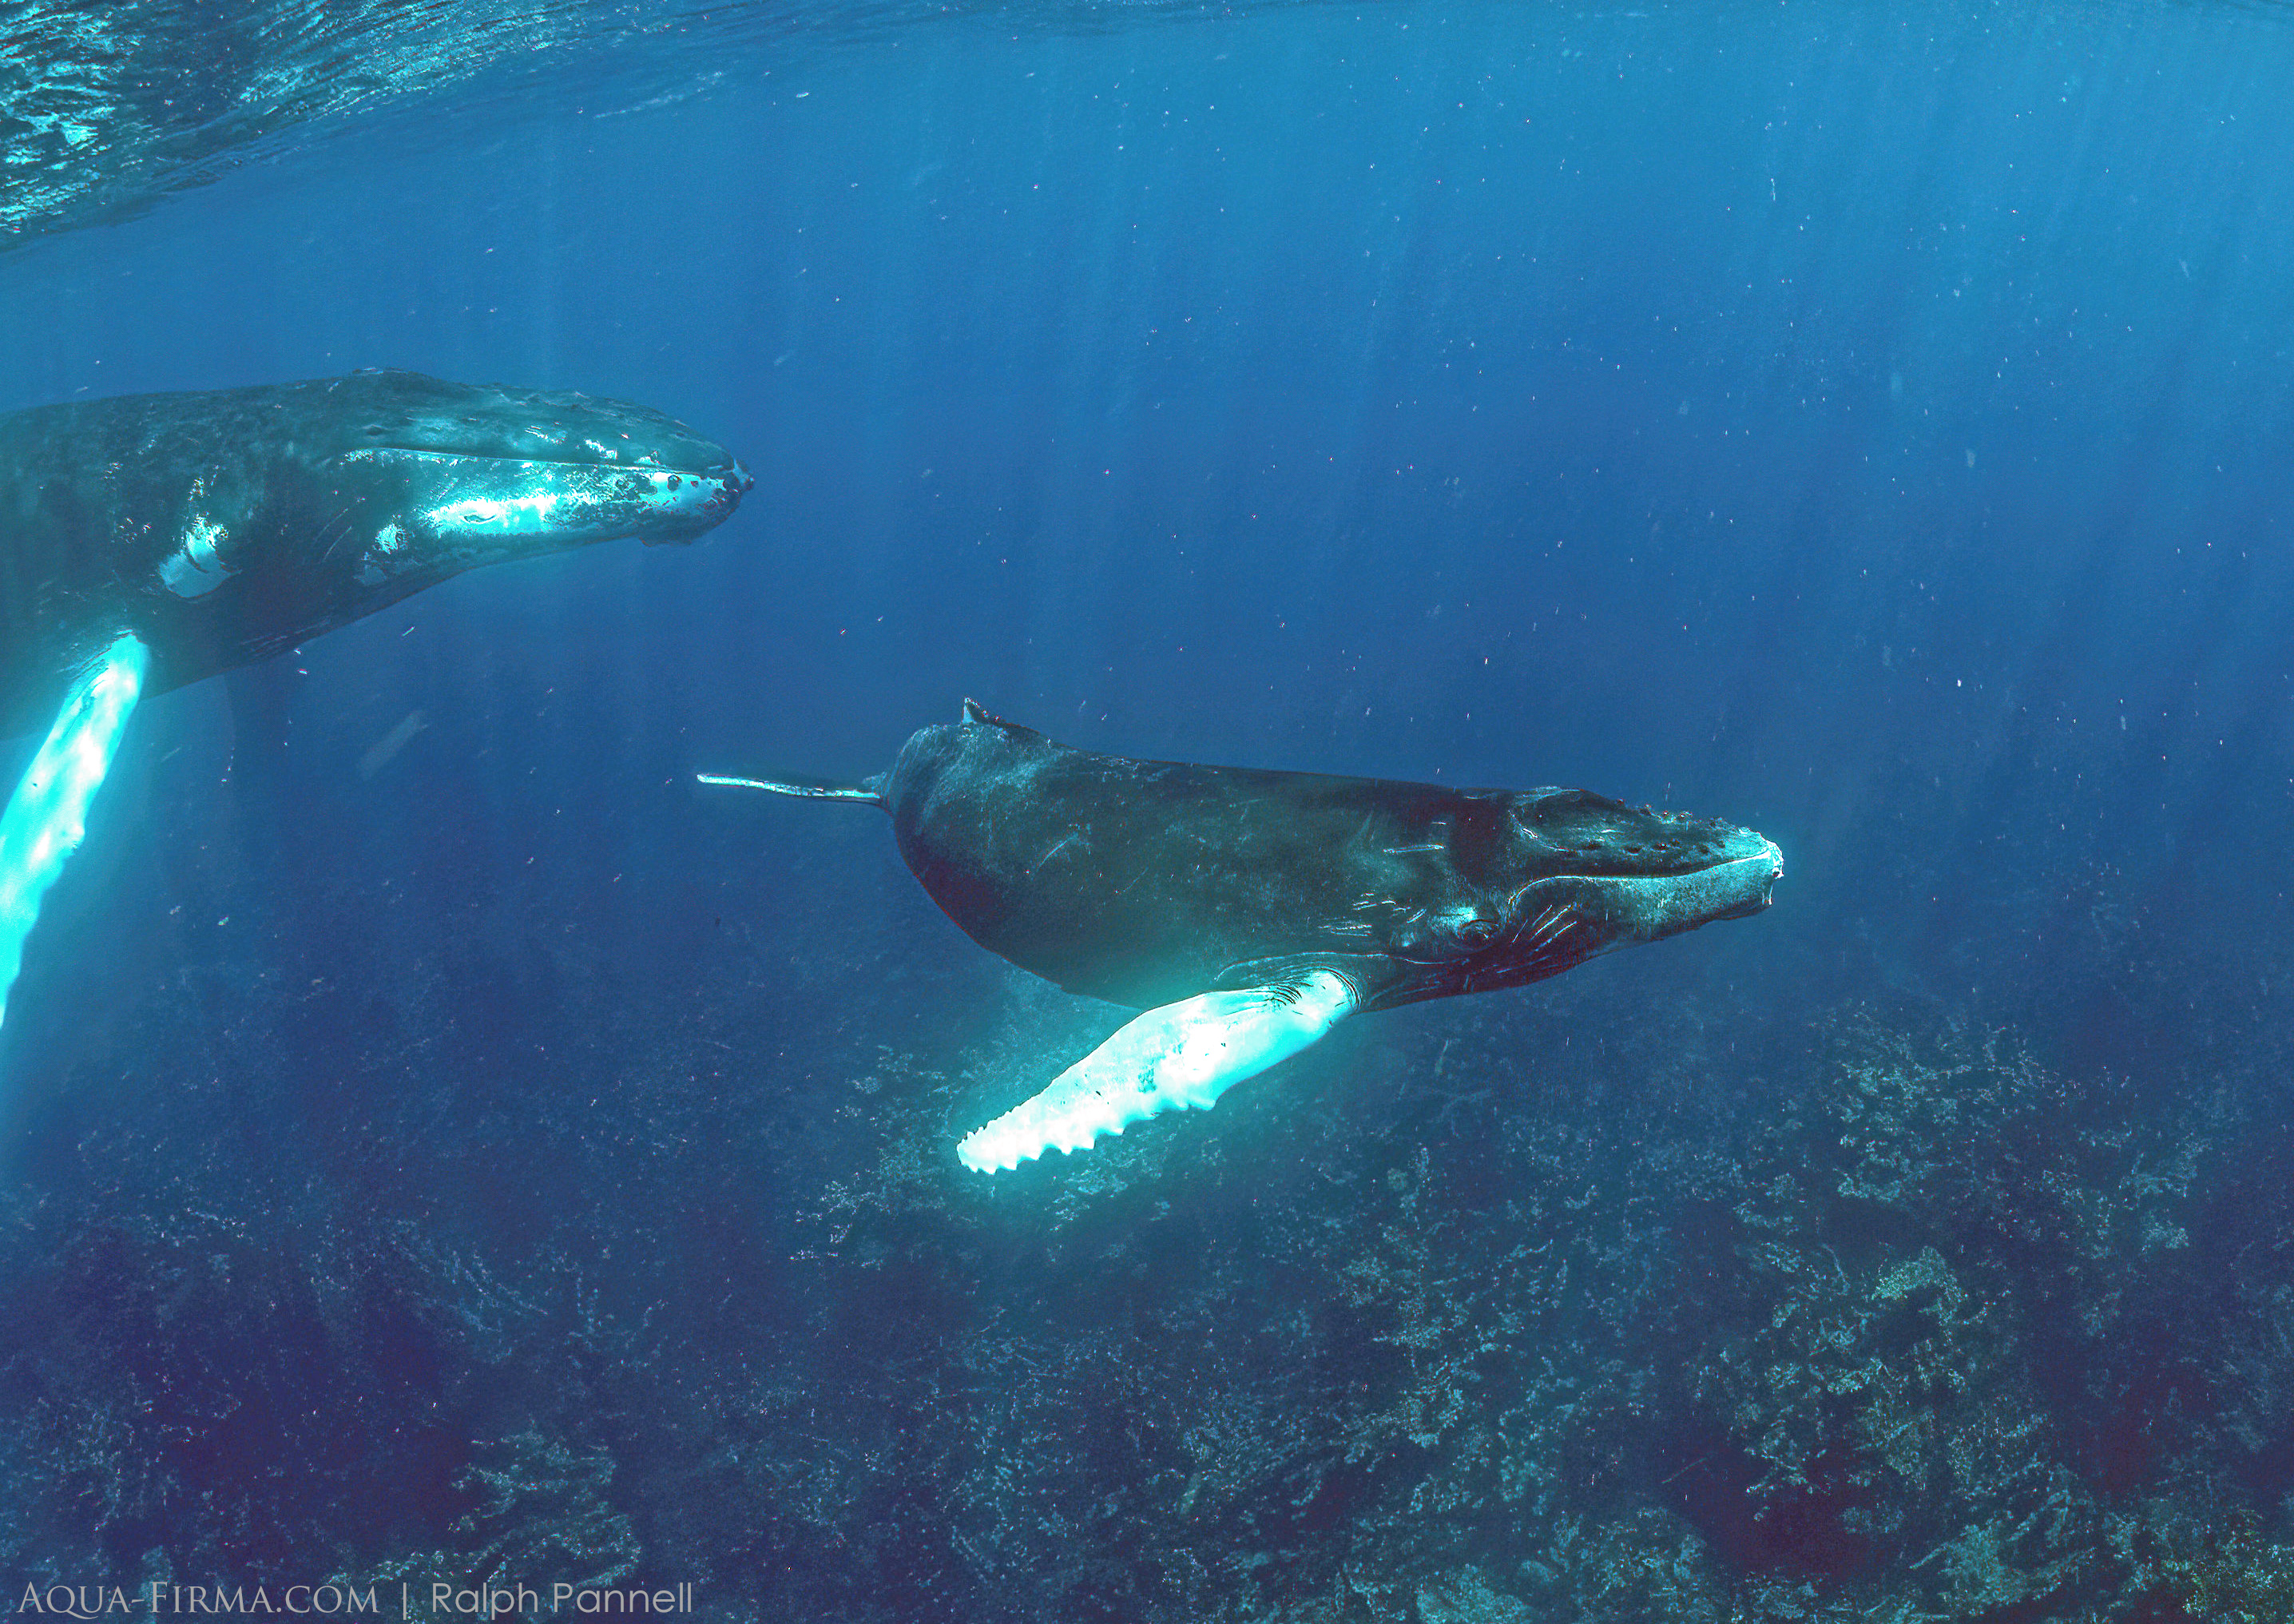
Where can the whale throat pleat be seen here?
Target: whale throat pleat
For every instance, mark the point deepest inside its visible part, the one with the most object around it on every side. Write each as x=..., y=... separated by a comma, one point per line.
x=1180, y=1056
x=45, y=818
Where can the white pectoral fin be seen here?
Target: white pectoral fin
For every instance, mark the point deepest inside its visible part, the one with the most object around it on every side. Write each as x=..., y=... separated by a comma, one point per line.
x=42, y=825
x=1179, y=1058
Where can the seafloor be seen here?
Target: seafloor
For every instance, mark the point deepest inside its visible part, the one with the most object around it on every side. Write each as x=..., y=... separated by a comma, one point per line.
x=1580, y=1303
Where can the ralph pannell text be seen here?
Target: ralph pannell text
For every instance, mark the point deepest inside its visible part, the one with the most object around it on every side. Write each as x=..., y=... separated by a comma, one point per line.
x=164, y=1599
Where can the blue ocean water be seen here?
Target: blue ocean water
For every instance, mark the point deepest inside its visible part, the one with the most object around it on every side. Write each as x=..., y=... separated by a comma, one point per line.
x=447, y=1145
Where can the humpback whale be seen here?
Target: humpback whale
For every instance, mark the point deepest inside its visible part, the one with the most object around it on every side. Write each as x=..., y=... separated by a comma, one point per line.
x=149, y=541
x=1248, y=911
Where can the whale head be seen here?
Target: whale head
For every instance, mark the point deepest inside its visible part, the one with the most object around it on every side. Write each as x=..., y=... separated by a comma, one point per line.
x=267, y=515
x=340, y=496
x=223, y=527
x=1566, y=874
x=445, y=477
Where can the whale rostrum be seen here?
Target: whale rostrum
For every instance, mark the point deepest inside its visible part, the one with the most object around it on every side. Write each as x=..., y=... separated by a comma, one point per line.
x=1248, y=911
x=150, y=541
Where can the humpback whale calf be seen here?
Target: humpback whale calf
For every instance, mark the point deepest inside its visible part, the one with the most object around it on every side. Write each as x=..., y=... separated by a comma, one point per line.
x=152, y=540
x=1248, y=911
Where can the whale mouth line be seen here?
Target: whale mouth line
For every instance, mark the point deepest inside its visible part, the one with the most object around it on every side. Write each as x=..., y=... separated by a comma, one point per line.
x=1771, y=856
x=431, y=453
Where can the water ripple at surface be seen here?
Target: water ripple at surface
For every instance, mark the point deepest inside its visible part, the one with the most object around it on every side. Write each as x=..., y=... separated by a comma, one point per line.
x=105, y=109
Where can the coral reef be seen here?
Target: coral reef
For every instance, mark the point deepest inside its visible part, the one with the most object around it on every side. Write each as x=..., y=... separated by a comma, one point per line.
x=1514, y=1311
x=543, y=1509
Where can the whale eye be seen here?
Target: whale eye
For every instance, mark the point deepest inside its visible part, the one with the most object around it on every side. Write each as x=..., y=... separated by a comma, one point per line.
x=1477, y=932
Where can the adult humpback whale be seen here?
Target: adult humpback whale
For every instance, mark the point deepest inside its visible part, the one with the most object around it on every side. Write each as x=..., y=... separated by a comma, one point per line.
x=1248, y=911
x=151, y=540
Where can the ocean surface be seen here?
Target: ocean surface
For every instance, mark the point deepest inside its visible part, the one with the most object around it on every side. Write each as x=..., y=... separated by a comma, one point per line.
x=442, y=1144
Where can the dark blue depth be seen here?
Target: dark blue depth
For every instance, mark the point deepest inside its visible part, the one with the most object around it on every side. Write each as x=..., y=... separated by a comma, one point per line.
x=492, y=1157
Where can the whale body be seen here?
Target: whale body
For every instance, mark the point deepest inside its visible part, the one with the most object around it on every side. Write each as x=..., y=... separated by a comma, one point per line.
x=1248, y=910
x=150, y=541
x=223, y=527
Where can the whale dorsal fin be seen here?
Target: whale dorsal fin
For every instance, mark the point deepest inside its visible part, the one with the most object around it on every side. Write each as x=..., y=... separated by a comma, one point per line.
x=979, y=714
x=1178, y=1057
